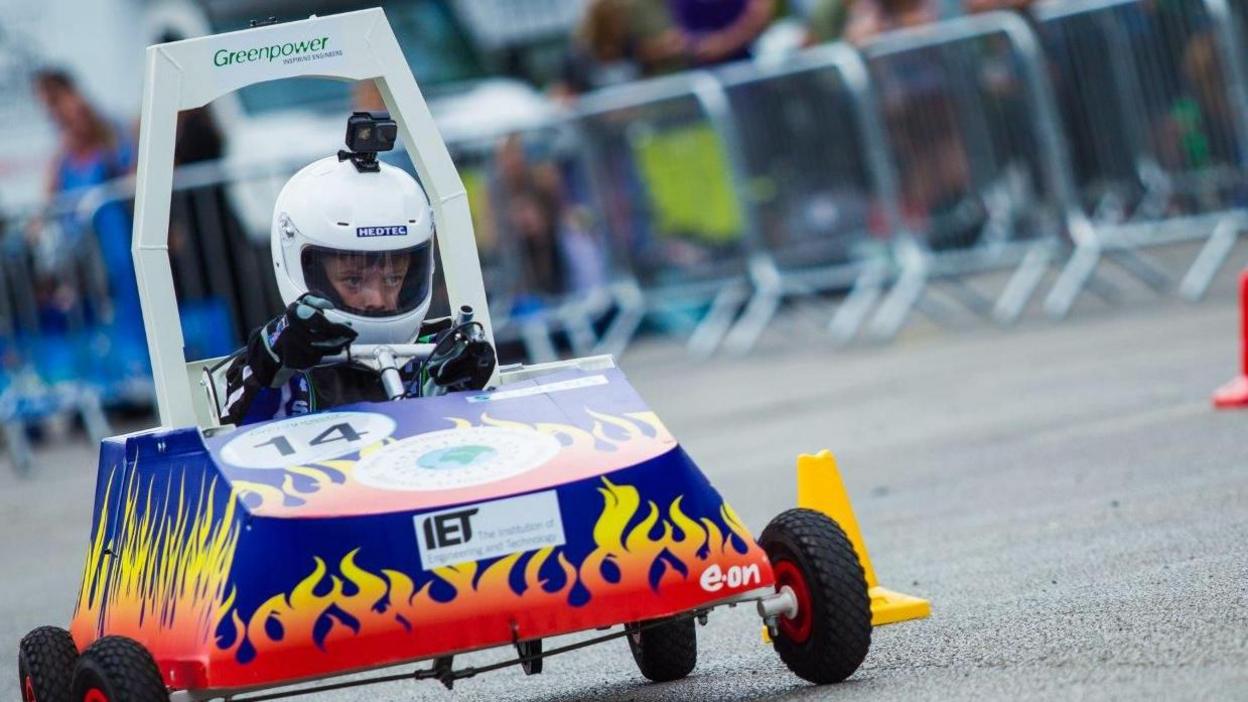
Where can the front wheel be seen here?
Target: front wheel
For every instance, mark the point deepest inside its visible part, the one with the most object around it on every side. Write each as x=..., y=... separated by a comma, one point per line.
x=828, y=637
x=117, y=669
x=45, y=662
x=666, y=650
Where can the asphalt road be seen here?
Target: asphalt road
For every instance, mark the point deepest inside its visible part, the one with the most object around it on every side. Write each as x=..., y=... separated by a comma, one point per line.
x=1064, y=494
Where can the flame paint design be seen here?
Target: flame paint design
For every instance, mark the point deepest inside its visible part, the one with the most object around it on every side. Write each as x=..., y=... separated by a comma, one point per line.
x=161, y=570
x=607, y=443
x=355, y=615
x=667, y=558
x=296, y=484
x=630, y=427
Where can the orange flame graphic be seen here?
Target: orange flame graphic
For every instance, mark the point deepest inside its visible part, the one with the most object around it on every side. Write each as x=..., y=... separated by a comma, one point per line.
x=355, y=615
x=298, y=483
x=327, y=488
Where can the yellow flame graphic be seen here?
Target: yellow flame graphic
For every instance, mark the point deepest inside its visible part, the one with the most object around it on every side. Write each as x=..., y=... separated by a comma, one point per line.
x=294, y=486
x=299, y=482
x=164, y=571
x=382, y=603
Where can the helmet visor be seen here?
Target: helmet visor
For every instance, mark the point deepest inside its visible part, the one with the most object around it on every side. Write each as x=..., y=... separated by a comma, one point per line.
x=370, y=284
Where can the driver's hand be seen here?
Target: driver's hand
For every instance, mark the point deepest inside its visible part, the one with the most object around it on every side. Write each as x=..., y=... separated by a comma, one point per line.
x=462, y=360
x=310, y=330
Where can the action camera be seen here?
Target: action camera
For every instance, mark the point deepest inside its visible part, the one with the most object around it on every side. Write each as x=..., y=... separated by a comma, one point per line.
x=367, y=134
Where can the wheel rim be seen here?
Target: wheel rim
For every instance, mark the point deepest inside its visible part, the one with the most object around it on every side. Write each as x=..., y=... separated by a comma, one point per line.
x=28, y=689
x=796, y=628
x=95, y=695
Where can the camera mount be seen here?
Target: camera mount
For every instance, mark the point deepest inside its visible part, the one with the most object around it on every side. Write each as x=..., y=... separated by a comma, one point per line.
x=368, y=133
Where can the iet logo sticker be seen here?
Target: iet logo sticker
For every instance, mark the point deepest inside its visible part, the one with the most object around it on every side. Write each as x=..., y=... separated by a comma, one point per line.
x=449, y=528
x=489, y=530
x=397, y=230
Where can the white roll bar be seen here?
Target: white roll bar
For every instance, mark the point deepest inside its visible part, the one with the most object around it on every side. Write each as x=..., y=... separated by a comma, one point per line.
x=188, y=74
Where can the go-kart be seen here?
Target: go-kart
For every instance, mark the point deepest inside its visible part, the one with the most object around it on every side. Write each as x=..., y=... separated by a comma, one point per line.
x=230, y=563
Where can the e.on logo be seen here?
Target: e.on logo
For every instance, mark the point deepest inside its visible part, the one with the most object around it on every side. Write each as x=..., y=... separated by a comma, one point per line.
x=714, y=578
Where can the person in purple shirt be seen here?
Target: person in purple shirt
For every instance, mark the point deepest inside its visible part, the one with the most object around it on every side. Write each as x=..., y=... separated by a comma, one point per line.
x=719, y=31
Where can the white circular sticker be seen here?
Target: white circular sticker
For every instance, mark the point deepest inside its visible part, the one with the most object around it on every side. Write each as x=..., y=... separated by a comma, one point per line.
x=307, y=439
x=456, y=458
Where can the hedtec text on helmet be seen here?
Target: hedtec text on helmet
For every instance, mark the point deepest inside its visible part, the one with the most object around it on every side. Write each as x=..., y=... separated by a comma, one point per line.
x=226, y=57
x=398, y=230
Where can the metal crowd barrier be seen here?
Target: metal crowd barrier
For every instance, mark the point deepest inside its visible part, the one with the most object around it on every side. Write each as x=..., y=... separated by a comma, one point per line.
x=1153, y=98
x=980, y=163
x=219, y=246
x=63, y=354
x=819, y=183
x=663, y=166
x=699, y=203
x=544, y=265
x=70, y=322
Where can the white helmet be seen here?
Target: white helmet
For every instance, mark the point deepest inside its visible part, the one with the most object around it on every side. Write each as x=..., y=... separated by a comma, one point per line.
x=363, y=240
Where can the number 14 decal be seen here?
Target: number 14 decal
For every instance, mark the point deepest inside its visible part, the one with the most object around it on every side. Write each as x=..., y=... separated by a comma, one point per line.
x=343, y=431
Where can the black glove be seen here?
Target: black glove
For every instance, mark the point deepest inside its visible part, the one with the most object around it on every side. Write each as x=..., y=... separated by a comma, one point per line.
x=309, y=331
x=462, y=359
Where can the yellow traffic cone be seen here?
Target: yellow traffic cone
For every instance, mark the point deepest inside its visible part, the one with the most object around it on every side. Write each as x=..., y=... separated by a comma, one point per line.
x=819, y=487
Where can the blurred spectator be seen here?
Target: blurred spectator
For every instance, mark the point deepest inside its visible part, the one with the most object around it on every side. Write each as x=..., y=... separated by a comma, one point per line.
x=923, y=123
x=1205, y=128
x=198, y=138
x=661, y=47
x=718, y=31
x=621, y=40
x=604, y=49
x=366, y=97
x=557, y=256
x=530, y=212
x=868, y=18
x=618, y=41
x=828, y=20
x=106, y=315
x=973, y=6
x=92, y=151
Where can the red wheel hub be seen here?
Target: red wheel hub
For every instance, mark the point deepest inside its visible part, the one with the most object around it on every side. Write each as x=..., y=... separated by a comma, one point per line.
x=796, y=628
x=95, y=695
x=28, y=690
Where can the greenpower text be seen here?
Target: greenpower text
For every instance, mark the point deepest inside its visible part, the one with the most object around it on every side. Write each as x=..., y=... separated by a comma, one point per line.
x=225, y=57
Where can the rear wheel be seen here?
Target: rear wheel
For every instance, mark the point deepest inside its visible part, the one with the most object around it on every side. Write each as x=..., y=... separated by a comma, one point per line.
x=532, y=650
x=828, y=637
x=665, y=650
x=117, y=669
x=45, y=664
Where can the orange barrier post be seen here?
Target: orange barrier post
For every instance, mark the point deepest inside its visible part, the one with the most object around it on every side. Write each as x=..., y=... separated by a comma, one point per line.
x=1235, y=393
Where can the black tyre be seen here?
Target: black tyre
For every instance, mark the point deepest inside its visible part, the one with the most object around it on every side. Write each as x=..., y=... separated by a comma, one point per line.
x=45, y=664
x=117, y=669
x=665, y=650
x=828, y=638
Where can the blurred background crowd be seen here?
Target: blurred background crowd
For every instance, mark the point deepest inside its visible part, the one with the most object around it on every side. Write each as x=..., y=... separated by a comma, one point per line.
x=682, y=167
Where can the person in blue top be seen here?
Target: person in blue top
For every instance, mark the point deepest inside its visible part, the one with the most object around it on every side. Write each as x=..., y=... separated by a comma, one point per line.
x=92, y=151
